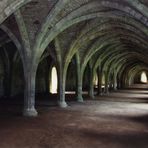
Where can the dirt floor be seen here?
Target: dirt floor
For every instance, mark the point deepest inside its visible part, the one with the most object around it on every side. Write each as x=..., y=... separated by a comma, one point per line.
x=118, y=120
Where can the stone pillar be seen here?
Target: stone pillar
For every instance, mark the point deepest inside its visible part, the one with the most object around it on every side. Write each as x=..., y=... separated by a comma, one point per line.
x=91, y=85
x=79, y=87
x=29, y=94
x=115, y=82
x=106, y=83
x=61, y=88
x=79, y=82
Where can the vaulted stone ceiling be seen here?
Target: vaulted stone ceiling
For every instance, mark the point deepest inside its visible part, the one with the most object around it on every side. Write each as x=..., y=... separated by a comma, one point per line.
x=109, y=35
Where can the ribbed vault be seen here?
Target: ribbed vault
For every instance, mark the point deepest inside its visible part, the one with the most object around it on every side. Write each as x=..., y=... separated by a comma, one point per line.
x=108, y=37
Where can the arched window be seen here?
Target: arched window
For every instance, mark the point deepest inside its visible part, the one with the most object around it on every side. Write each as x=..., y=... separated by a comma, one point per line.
x=143, y=77
x=54, y=81
x=95, y=81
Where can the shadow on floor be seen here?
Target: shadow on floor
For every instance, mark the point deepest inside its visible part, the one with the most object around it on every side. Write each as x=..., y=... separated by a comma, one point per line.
x=116, y=139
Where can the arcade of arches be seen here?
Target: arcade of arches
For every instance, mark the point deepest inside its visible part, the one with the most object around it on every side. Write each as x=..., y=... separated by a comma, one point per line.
x=71, y=50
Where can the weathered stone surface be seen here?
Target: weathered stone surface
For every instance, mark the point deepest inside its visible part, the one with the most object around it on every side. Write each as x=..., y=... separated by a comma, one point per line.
x=78, y=37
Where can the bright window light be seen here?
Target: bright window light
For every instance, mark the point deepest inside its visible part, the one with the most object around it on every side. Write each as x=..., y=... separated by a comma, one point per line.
x=54, y=81
x=143, y=77
x=103, y=79
x=95, y=82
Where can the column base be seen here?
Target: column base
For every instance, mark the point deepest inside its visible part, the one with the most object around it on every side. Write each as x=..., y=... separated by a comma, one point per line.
x=62, y=104
x=80, y=99
x=106, y=93
x=115, y=89
x=30, y=112
x=101, y=94
x=92, y=96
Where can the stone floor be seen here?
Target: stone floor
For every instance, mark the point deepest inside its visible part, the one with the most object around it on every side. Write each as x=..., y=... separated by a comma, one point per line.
x=118, y=120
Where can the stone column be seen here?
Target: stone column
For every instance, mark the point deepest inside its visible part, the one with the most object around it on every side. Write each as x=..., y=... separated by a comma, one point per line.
x=61, y=88
x=106, y=83
x=29, y=94
x=91, y=85
x=115, y=82
x=79, y=90
x=79, y=82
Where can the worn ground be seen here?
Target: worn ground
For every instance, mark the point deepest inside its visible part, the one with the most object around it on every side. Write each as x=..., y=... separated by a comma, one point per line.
x=119, y=120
